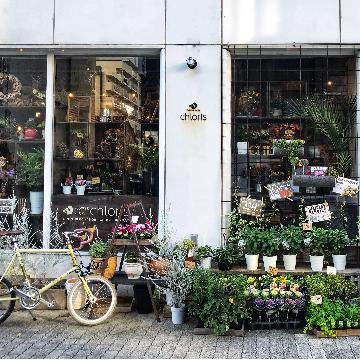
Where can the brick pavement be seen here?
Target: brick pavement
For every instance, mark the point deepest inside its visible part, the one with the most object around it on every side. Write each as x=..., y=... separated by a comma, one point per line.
x=56, y=335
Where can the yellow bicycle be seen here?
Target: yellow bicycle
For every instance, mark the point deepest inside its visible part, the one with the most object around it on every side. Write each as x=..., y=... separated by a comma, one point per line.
x=91, y=300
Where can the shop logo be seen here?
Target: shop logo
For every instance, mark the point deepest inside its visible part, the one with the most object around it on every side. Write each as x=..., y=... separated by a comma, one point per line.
x=193, y=113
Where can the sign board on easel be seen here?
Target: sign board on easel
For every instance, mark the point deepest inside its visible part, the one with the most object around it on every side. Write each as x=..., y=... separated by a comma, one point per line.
x=346, y=187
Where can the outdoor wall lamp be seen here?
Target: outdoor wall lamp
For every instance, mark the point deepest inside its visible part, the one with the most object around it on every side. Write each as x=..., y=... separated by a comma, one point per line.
x=191, y=63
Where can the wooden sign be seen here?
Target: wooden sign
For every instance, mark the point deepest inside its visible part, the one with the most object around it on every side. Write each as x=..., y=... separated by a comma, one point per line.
x=317, y=213
x=346, y=187
x=280, y=190
x=252, y=207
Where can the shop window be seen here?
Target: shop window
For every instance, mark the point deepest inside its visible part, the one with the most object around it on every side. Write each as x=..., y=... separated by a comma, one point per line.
x=105, y=133
x=264, y=93
x=22, y=123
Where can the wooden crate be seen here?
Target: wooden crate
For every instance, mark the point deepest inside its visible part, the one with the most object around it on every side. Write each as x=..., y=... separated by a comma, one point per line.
x=338, y=333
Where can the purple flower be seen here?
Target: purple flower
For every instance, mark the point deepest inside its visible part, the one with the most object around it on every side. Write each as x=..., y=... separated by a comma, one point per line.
x=10, y=173
x=259, y=303
x=270, y=304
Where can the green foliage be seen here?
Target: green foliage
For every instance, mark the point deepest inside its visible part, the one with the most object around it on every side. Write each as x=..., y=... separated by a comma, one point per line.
x=291, y=238
x=330, y=286
x=270, y=242
x=204, y=251
x=149, y=155
x=333, y=117
x=132, y=257
x=338, y=239
x=218, y=300
x=30, y=169
x=291, y=148
x=188, y=244
x=252, y=239
x=98, y=249
x=230, y=253
x=318, y=241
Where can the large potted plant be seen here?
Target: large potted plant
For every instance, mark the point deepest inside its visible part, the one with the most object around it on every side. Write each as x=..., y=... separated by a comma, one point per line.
x=292, y=242
x=270, y=247
x=97, y=252
x=338, y=240
x=205, y=253
x=30, y=172
x=227, y=256
x=317, y=242
x=250, y=241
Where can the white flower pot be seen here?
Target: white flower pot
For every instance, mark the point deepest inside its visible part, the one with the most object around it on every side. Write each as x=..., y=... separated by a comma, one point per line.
x=36, y=202
x=339, y=262
x=289, y=262
x=252, y=261
x=66, y=189
x=80, y=190
x=317, y=262
x=133, y=271
x=206, y=262
x=242, y=147
x=269, y=261
x=178, y=315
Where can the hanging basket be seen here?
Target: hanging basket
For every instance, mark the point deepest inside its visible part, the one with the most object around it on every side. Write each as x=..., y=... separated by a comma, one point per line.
x=313, y=181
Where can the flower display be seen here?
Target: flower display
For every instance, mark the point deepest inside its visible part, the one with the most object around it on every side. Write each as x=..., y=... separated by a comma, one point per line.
x=80, y=182
x=143, y=231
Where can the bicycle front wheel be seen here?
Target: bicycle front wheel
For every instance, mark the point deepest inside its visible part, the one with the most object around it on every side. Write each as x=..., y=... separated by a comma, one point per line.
x=7, y=299
x=94, y=308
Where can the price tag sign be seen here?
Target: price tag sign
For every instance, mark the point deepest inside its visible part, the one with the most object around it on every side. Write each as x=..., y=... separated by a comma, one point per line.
x=95, y=180
x=252, y=207
x=318, y=170
x=346, y=187
x=307, y=226
x=280, y=190
x=317, y=213
x=79, y=177
x=330, y=270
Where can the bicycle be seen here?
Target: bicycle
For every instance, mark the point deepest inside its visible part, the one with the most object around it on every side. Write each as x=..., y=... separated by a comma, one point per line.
x=90, y=301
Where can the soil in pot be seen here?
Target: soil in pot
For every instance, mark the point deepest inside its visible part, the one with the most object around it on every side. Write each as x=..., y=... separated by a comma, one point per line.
x=224, y=265
x=142, y=299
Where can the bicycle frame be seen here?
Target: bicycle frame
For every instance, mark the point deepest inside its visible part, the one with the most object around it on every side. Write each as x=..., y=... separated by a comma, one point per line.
x=75, y=268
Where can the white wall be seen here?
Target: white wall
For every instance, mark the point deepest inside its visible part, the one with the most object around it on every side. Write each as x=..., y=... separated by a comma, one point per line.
x=281, y=21
x=193, y=149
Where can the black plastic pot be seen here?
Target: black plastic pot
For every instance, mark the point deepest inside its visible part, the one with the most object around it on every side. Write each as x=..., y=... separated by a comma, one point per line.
x=142, y=299
x=224, y=265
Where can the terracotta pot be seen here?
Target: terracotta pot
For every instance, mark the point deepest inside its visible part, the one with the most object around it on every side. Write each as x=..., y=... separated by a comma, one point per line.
x=111, y=267
x=158, y=266
x=30, y=133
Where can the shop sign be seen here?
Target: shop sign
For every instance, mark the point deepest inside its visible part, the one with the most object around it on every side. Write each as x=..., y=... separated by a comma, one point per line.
x=280, y=190
x=193, y=113
x=317, y=213
x=346, y=187
x=252, y=207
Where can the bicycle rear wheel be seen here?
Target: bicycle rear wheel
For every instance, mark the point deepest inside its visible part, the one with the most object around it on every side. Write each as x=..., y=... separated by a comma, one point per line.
x=92, y=310
x=7, y=304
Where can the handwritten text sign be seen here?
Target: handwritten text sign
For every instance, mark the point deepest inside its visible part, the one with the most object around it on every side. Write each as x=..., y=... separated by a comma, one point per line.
x=280, y=190
x=347, y=187
x=252, y=207
x=317, y=213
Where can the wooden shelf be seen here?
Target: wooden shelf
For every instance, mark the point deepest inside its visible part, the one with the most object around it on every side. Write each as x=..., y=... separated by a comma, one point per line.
x=88, y=159
x=129, y=242
x=13, y=141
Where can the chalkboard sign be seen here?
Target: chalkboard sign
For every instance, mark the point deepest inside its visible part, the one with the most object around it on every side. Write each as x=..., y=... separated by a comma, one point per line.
x=252, y=207
x=280, y=190
x=318, y=212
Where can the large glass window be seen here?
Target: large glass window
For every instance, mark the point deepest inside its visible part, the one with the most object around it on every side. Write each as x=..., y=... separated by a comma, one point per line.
x=105, y=132
x=22, y=123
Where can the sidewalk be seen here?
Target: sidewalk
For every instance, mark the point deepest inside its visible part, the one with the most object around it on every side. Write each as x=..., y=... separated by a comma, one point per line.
x=56, y=335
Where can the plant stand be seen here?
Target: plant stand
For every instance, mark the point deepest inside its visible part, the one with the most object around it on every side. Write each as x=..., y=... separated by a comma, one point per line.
x=125, y=214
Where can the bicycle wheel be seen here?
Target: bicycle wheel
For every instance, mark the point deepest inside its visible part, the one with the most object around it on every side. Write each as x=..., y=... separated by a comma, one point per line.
x=6, y=293
x=93, y=310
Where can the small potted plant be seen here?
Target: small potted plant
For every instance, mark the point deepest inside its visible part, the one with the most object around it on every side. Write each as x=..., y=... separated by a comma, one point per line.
x=30, y=172
x=189, y=246
x=316, y=242
x=292, y=242
x=338, y=240
x=132, y=265
x=205, y=254
x=250, y=241
x=270, y=247
x=30, y=131
x=227, y=256
x=80, y=186
x=97, y=252
x=67, y=185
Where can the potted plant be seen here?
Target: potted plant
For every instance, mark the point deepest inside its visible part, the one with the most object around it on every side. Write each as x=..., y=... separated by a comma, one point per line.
x=67, y=185
x=30, y=172
x=62, y=150
x=270, y=245
x=227, y=256
x=338, y=240
x=250, y=241
x=205, y=254
x=30, y=131
x=291, y=148
x=189, y=246
x=292, y=242
x=97, y=252
x=316, y=242
x=80, y=187
x=132, y=265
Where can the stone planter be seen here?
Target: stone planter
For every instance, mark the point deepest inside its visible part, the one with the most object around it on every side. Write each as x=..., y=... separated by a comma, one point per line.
x=339, y=262
x=133, y=270
x=317, y=262
x=252, y=262
x=289, y=262
x=313, y=181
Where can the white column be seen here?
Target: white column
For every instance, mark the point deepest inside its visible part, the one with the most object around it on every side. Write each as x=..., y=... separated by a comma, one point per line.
x=162, y=139
x=226, y=137
x=48, y=161
x=358, y=117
